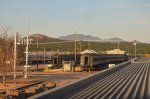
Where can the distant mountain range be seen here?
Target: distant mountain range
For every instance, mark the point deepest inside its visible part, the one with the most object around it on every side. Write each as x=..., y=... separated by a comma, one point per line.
x=89, y=37
x=43, y=38
x=79, y=37
x=114, y=39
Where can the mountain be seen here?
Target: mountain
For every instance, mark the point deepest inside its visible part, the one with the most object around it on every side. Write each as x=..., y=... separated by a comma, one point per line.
x=79, y=37
x=114, y=40
x=39, y=36
x=43, y=38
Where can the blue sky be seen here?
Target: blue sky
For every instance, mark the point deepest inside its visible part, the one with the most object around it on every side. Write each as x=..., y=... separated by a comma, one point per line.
x=127, y=19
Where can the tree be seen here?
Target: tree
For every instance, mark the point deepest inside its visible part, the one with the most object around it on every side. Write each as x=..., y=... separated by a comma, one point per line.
x=6, y=53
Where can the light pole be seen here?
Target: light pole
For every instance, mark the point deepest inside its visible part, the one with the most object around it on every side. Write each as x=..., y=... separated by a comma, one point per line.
x=26, y=67
x=27, y=48
x=75, y=51
x=37, y=47
x=118, y=47
x=89, y=46
x=44, y=55
x=15, y=56
x=80, y=46
x=134, y=43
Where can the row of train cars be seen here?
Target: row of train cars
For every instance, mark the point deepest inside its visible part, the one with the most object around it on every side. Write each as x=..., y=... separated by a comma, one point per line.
x=92, y=60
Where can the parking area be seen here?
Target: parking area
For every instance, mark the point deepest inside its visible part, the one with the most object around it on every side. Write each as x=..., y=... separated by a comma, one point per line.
x=55, y=75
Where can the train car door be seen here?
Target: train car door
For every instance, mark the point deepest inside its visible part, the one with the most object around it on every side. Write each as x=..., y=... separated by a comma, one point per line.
x=86, y=60
x=55, y=60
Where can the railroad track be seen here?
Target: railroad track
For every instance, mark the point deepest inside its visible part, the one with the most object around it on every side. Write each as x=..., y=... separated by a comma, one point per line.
x=132, y=81
x=24, y=87
x=27, y=91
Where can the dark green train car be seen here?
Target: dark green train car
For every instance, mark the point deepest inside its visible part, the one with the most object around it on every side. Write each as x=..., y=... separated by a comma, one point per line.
x=94, y=60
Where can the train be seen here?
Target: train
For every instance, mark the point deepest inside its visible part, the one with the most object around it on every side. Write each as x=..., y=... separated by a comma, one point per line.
x=58, y=59
x=86, y=60
x=39, y=58
x=93, y=60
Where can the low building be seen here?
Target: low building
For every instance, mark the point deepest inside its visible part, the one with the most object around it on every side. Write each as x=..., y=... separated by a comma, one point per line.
x=116, y=51
x=88, y=51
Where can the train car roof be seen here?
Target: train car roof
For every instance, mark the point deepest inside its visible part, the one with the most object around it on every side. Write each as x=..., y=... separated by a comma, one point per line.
x=66, y=54
x=100, y=54
x=41, y=54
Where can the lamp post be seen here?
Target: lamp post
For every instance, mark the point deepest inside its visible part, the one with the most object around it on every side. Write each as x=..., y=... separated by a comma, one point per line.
x=118, y=47
x=26, y=66
x=27, y=48
x=37, y=48
x=15, y=56
x=80, y=46
x=134, y=43
x=75, y=51
x=89, y=46
x=44, y=55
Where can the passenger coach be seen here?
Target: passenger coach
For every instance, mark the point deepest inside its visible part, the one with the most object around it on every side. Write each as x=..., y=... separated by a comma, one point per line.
x=94, y=60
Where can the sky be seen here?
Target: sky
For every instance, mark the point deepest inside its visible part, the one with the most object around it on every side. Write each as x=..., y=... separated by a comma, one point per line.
x=126, y=19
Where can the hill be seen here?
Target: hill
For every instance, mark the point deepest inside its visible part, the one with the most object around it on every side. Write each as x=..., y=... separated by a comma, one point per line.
x=79, y=37
x=39, y=36
x=114, y=40
x=43, y=38
x=142, y=48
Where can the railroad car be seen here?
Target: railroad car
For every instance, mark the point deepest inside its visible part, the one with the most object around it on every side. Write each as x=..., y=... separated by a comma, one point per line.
x=39, y=58
x=55, y=59
x=86, y=60
x=93, y=60
x=58, y=59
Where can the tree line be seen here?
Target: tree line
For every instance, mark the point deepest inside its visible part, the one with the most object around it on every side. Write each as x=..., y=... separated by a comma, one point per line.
x=142, y=48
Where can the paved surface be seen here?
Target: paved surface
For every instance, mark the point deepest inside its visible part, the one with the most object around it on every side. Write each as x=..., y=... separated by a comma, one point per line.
x=56, y=75
x=131, y=81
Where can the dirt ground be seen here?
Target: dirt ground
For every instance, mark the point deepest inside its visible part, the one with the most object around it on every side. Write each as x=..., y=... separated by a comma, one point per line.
x=55, y=75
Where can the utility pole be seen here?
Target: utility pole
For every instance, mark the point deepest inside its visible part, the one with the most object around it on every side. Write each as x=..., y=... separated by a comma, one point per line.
x=26, y=67
x=44, y=55
x=75, y=45
x=89, y=45
x=80, y=46
x=37, y=46
x=15, y=56
x=27, y=47
x=135, y=51
x=118, y=47
x=134, y=43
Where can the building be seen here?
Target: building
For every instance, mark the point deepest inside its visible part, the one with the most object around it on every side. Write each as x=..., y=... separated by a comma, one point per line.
x=88, y=51
x=116, y=51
